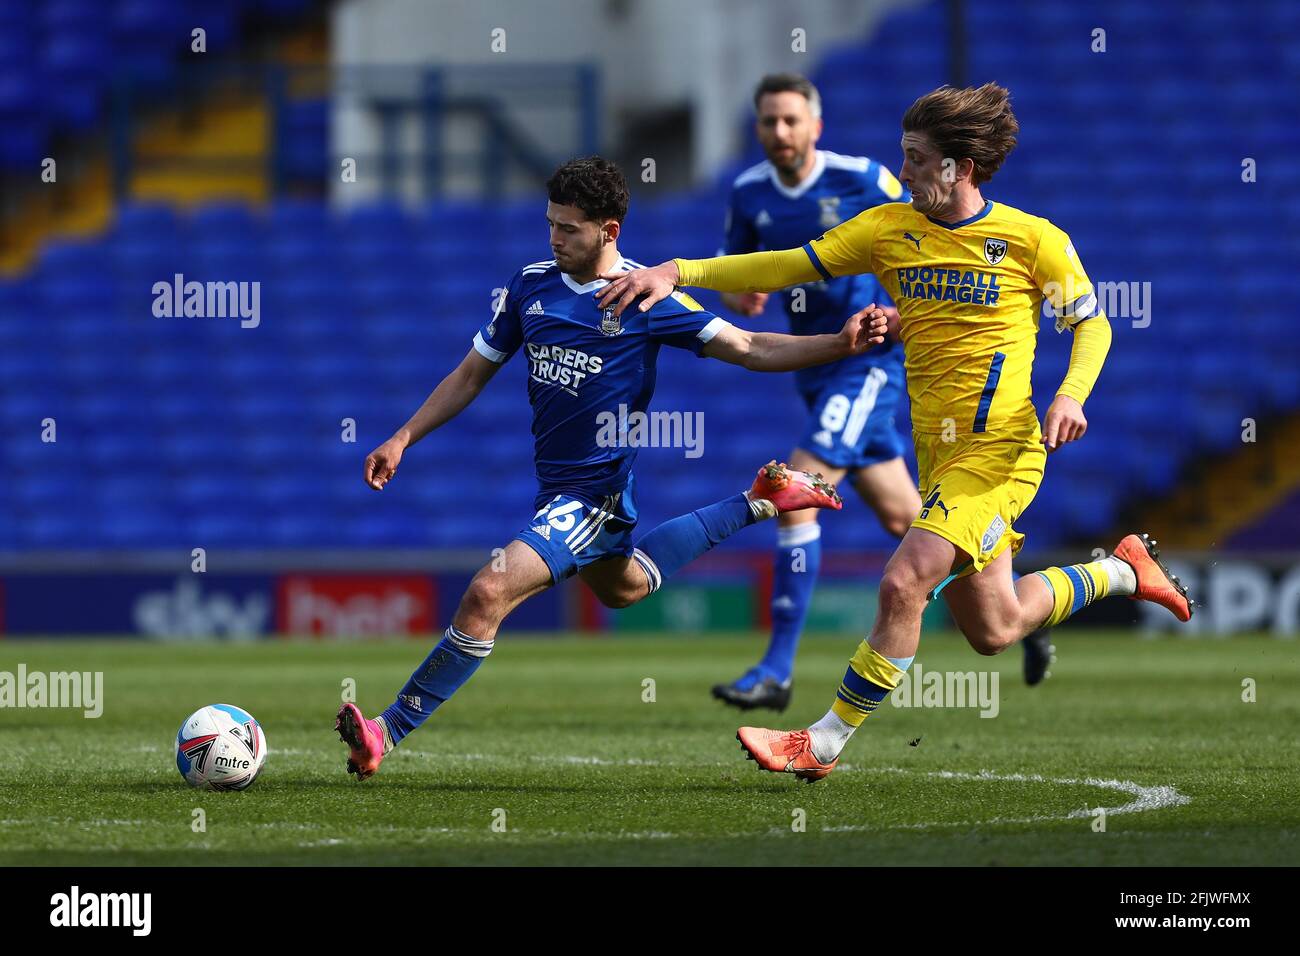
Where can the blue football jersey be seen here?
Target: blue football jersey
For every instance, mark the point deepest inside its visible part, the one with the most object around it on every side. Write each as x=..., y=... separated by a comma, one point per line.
x=582, y=361
x=764, y=213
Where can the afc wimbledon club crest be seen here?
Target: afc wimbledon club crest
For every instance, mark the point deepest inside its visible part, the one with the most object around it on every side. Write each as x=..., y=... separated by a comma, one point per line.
x=993, y=534
x=830, y=212
x=995, y=250
x=610, y=324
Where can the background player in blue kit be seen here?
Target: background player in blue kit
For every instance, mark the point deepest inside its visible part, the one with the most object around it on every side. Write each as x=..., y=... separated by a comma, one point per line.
x=585, y=361
x=792, y=197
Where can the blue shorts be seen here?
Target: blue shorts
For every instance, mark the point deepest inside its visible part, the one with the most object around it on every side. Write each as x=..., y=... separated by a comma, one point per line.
x=573, y=530
x=852, y=420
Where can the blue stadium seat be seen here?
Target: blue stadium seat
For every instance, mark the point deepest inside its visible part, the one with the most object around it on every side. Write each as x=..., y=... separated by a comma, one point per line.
x=366, y=309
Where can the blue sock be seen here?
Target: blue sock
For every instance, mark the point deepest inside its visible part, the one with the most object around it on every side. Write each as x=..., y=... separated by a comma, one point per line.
x=676, y=543
x=453, y=660
x=798, y=559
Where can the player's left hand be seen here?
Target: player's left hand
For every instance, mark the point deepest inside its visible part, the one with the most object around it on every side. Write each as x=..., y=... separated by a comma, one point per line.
x=655, y=283
x=865, y=329
x=1064, y=423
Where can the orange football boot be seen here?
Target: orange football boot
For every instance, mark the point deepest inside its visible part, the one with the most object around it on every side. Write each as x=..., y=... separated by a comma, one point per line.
x=784, y=751
x=791, y=490
x=1155, y=582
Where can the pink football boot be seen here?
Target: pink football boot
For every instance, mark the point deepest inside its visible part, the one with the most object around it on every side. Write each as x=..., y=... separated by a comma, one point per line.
x=365, y=740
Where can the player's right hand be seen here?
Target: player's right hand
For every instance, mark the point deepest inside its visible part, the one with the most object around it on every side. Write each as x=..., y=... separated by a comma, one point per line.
x=381, y=464
x=655, y=283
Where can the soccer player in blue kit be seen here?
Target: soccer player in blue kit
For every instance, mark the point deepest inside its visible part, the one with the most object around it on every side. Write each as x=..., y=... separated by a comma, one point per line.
x=585, y=361
x=795, y=195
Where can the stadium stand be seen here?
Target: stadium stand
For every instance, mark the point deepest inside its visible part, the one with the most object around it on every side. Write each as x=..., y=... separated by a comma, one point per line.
x=200, y=431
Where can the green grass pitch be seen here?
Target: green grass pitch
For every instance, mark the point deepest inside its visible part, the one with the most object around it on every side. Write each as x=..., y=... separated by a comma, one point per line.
x=555, y=733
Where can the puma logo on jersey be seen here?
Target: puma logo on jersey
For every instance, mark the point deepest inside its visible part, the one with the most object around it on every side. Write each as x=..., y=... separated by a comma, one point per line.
x=536, y=309
x=916, y=239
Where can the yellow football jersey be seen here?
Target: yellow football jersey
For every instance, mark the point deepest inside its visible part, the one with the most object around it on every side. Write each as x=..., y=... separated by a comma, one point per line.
x=969, y=295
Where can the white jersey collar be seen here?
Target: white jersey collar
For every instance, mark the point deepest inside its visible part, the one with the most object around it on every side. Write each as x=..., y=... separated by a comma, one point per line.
x=594, y=284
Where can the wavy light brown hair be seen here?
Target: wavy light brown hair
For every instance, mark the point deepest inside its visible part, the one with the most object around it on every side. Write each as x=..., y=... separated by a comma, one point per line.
x=975, y=123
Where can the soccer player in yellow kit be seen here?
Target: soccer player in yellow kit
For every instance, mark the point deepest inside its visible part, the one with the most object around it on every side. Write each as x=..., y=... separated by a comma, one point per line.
x=969, y=277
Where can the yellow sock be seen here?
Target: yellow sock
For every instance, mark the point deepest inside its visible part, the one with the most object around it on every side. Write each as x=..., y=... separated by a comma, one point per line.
x=1074, y=588
x=866, y=683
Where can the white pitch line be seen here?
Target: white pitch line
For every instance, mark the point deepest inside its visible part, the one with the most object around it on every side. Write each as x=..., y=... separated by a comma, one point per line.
x=1145, y=798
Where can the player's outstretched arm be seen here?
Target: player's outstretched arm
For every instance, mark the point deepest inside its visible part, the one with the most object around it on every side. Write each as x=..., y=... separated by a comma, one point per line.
x=776, y=352
x=449, y=399
x=1065, y=421
x=752, y=272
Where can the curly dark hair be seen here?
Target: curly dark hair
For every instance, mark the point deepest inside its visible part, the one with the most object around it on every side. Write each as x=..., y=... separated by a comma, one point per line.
x=593, y=184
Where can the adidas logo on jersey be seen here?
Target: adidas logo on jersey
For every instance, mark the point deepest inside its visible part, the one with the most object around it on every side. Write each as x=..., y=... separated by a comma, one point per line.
x=544, y=530
x=824, y=439
x=536, y=309
x=762, y=220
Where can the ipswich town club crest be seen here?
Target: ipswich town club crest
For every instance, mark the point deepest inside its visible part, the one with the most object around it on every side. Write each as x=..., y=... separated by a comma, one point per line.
x=610, y=324
x=830, y=217
x=995, y=250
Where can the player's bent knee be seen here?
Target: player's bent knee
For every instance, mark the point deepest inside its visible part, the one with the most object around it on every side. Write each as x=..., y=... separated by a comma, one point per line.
x=986, y=648
x=989, y=641
x=897, y=525
x=901, y=587
x=620, y=597
x=486, y=596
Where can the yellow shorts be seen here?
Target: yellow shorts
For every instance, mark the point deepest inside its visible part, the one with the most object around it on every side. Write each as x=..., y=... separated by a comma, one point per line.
x=975, y=487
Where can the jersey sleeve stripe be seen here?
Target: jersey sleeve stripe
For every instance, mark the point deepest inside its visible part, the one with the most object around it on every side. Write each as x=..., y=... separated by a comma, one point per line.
x=817, y=263
x=707, y=333
x=839, y=161
x=487, y=351
x=756, y=173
